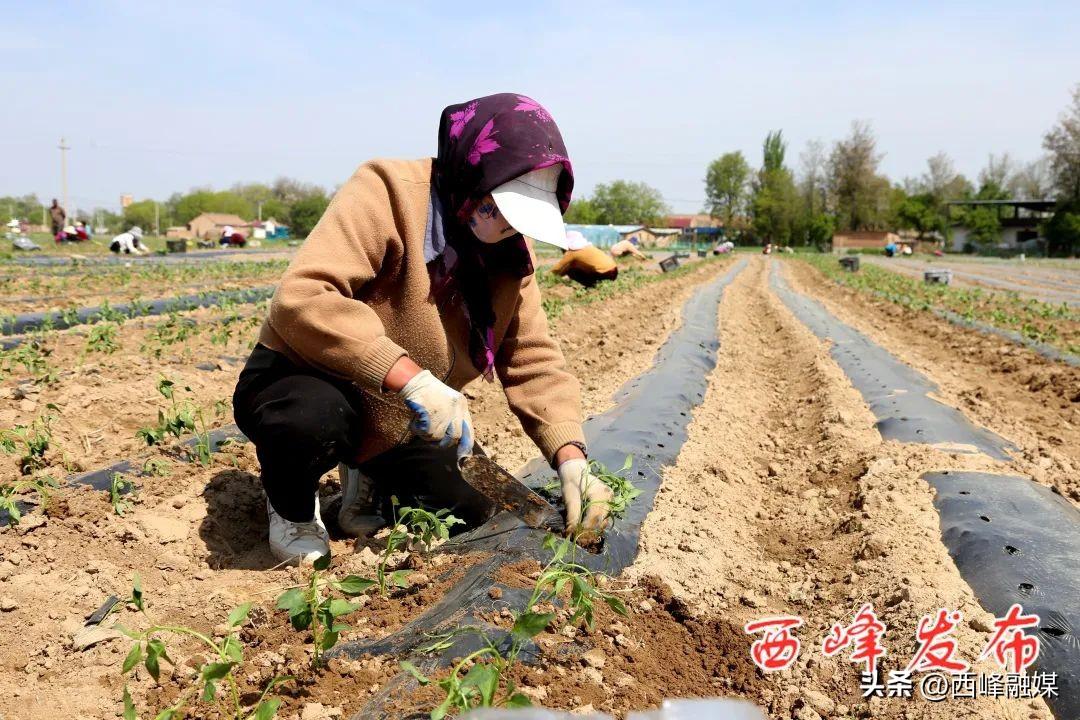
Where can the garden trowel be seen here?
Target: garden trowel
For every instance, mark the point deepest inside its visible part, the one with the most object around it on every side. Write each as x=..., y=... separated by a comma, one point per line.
x=508, y=493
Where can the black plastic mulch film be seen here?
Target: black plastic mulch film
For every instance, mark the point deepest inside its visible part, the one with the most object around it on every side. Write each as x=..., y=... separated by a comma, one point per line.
x=1013, y=540
x=649, y=421
x=29, y=322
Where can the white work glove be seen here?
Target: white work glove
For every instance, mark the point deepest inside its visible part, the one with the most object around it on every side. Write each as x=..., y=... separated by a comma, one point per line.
x=440, y=412
x=584, y=495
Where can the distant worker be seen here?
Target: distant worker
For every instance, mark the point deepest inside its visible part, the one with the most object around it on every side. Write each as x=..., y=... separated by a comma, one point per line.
x=67, y=234
x=905, y=249
x=230, y=237
x=767, y=250
x=129, y=243
x=81, y=231
x=890, y=249
x=58, y=216
x=628, y=247
x=584, y=263
x=724, y=248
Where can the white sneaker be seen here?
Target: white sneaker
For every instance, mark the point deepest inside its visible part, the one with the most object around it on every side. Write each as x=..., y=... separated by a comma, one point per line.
x=358, y=516
x=297, y=543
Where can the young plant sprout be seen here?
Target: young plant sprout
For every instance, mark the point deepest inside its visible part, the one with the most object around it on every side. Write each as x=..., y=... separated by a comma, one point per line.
x=486, y=683
x=157, y=466
x=314, y=606
x=227, y=658
x=42, y=485
x=102, y=338
x=35, y=439
x=623, y=490
x=178, y=419
x=119, y=486
x=411, y=525
x=479, y=687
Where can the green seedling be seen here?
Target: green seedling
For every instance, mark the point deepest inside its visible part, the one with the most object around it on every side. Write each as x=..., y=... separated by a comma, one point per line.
x=43, y=486
x=411, y=525
x=623, y=491
x=119, y=487
x=32, y=356
x=102, y=338
x=221, y=336
x=485, y=682
x=70, y=316
x=106, y=313
x=35, y=439
x=203, y=446
x=561, y=574
x=173, y=330
x=178, y=419
x=157, y=466
x=216, y=678
x=313, y=606
x=479, y=686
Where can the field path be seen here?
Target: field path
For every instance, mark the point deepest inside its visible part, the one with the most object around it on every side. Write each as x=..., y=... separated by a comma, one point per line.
x=785, y=500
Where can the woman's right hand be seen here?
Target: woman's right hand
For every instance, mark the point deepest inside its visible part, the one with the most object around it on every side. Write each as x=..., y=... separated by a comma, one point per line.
x=440, y=413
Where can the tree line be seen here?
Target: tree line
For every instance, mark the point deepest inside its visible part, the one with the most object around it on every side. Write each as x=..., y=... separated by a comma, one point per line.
x=842, y=189
x=833, y=189
x=292, y=202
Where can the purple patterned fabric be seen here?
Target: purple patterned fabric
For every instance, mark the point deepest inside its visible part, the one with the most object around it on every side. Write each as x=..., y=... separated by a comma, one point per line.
x=484, y=143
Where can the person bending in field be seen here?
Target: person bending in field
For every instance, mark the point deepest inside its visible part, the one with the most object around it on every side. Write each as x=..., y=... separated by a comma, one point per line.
x=417, y=280
x=231, y=238
x=628, y=247
x=584, y=263
x=129, y=243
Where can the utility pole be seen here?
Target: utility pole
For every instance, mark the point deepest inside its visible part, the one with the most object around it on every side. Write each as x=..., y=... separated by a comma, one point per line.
x=63, y=170
x=260, y=210
x=157, y=222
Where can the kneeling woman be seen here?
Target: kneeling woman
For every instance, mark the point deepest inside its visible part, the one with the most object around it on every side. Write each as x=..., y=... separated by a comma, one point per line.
x=416, y=281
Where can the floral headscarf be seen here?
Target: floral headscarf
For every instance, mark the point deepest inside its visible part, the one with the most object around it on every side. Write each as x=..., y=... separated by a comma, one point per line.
x=484, y=143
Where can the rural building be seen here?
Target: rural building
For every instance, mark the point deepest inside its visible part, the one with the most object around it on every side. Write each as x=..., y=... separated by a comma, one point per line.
x=209, y=225
x=701, y=220
x=863, y=240
x=1020, y=221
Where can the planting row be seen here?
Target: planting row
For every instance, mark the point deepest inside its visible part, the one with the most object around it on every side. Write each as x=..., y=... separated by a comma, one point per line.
x=52, y=377
x=1056, y=325
x=22, y=281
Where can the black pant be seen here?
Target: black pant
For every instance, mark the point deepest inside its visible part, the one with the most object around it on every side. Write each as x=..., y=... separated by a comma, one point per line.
x=304, y=422
x=589, y=278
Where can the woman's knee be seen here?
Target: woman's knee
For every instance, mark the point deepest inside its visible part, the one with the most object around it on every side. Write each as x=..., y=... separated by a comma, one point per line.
x=298, y=414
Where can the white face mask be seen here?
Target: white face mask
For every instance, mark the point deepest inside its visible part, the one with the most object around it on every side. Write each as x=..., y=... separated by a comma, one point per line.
x=488, y=224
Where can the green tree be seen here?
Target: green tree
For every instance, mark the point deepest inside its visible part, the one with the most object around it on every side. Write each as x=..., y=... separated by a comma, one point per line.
x=276, y=209
x=305, y=213
x=1062, y=232
x=200, y=201
x=141, y=213
x=27, y=208
x=582, y=211
x=922, y=214
x=984, y=227
x=623, y=202
x=1062, y=143
x=774, y=204
x=860, y=195
x=726, y=183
